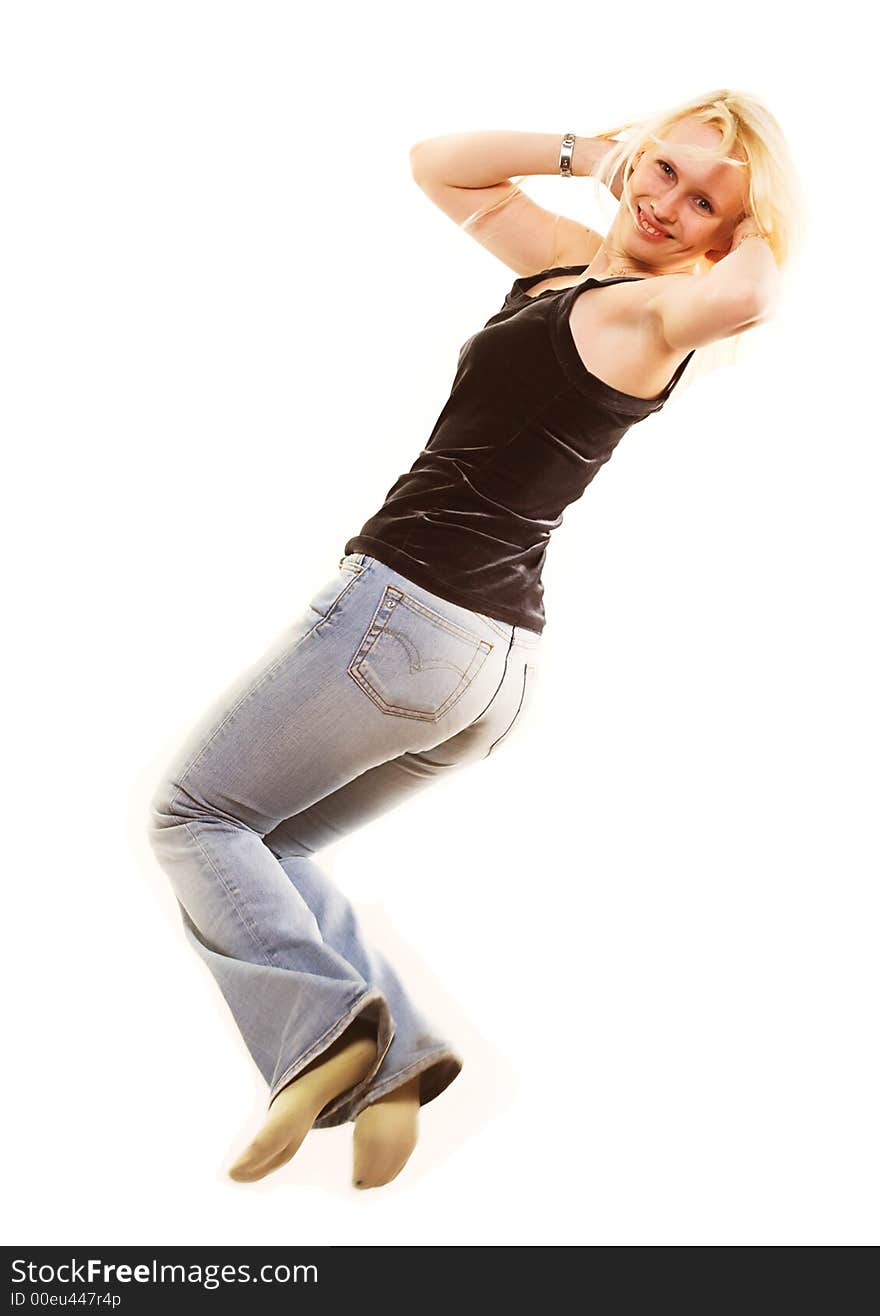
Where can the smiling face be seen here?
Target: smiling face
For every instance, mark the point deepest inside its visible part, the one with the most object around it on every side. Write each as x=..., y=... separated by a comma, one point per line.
x=697, y=203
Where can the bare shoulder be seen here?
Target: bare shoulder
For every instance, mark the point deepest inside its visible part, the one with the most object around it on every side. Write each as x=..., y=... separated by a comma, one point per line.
x=618, y=338
x=634, y=335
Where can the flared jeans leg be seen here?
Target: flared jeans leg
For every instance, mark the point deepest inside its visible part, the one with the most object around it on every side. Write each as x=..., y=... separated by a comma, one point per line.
x=416, y=1048
x=374, y=670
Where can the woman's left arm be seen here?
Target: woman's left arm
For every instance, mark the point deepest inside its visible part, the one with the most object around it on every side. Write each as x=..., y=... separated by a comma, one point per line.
x=750, y=265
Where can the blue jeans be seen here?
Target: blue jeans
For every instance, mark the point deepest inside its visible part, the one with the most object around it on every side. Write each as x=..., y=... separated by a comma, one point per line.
x=378, y=688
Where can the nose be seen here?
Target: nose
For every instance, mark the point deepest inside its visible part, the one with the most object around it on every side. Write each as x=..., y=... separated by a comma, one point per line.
x=662, y=219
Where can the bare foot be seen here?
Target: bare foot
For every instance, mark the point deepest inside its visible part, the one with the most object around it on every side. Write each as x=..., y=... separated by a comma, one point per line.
x=300, y=1102
x=385, y=1133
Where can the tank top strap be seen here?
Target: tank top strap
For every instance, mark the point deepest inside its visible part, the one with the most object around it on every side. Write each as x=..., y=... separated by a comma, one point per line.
x=679, y=371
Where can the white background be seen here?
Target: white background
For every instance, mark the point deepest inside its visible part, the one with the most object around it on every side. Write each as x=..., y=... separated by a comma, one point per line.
x=230, y=319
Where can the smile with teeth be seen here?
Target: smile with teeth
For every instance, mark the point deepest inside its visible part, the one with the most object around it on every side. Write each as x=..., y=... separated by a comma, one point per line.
x=646, y=227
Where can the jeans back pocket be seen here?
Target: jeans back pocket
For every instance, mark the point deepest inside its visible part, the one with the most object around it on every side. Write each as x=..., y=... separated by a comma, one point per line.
x=413, y=661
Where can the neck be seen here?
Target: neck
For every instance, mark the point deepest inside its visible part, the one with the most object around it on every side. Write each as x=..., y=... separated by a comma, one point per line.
x=607, y=265
x=610, y=261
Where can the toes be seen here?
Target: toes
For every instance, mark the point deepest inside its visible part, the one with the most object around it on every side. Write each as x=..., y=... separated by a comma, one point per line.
x=383, y=1143
x=290, y=1118
x=378, y=1180
x=377, y=1165
x=258, y=1158
x=248, y=1172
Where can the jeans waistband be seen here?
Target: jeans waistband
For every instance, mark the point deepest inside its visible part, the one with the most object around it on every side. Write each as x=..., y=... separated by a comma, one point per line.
x=521, y=635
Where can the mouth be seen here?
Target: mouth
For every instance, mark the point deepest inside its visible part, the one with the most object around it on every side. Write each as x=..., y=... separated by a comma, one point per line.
x=649, y=230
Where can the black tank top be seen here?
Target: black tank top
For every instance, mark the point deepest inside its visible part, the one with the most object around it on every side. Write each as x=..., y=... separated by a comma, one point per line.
x=526, y=428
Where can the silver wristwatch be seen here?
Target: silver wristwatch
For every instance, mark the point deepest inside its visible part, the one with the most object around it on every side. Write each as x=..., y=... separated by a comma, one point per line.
x=565, y=155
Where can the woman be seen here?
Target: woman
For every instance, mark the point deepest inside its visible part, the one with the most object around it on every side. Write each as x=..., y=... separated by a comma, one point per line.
x=419, y=654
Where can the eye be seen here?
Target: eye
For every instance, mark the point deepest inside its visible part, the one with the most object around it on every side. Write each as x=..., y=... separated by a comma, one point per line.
x=664, y=165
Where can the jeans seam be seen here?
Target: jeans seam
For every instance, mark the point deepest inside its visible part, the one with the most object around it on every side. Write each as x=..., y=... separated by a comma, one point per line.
x=333, y=606
x=495, y=625
x=432, y=615
x=263, y=949
x=257, y=684
x=515, y=716
x=252, y=689
x=500, y=684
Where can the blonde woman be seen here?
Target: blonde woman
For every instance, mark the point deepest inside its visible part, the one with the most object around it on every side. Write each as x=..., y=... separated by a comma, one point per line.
x=418, y=655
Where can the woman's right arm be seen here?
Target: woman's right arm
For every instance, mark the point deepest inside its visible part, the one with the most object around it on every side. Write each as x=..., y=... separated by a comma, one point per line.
x=468, y=176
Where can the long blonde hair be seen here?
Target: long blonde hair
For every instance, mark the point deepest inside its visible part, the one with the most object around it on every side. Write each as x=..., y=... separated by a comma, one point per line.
x=751, y=138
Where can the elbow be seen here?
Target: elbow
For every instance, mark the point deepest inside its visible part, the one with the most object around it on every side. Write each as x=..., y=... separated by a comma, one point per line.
x=762, y=305
x=744, y=306
x=763, y=296
x=430, y=158
x=750, y=283
x=417, y=158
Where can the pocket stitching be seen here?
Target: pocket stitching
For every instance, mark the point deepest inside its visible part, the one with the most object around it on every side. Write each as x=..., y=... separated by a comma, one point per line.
x=373, y=633
x=437, y=617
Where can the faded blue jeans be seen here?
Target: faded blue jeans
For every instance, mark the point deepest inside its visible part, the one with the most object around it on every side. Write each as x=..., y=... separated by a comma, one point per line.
x=378, y=688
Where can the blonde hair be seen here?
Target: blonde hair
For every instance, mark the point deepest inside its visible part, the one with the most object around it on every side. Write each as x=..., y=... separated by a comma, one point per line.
x=751, y=138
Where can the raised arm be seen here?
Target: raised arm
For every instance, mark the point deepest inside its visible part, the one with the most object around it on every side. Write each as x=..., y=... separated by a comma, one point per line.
x=740, y=291
x=468, y=176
